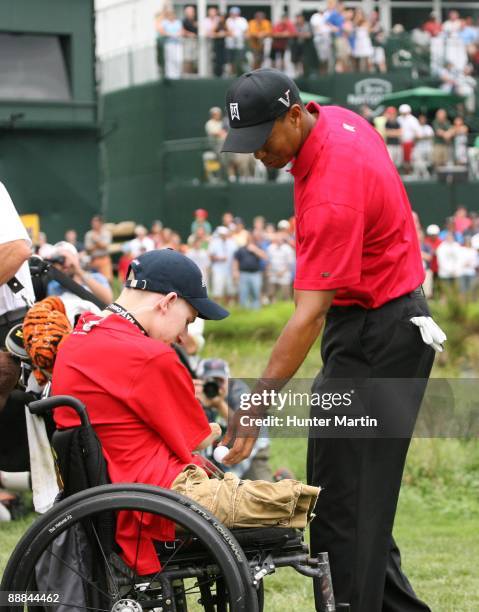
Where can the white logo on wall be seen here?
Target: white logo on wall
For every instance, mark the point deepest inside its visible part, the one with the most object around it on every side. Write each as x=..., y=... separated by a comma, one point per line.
x=369, y=91
x=234, y=111
x=285, y=100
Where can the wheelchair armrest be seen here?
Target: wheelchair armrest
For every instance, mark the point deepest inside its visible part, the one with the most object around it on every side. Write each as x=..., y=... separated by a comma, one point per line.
x=41, y=407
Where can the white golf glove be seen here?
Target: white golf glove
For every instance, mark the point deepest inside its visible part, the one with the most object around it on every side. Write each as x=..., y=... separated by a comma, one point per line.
x=431, y=333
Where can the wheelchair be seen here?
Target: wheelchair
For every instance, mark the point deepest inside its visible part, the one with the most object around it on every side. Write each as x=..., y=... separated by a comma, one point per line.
x=69, y=560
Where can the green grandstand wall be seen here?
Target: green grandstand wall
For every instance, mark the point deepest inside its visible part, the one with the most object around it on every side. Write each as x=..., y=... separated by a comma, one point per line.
x=49, y=145
x=143, y=179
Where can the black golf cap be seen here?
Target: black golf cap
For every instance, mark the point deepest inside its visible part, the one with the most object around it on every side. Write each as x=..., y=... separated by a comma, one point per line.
x=253, y=103
x=166, y=270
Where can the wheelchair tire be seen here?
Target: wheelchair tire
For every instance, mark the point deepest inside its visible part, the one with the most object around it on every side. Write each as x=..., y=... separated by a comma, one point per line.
x=78, y=508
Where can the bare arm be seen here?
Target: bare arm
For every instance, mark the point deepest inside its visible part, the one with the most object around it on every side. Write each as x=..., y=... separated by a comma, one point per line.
x=289, y=352
x=101, y=291
x=12, y=256
x=214, y=435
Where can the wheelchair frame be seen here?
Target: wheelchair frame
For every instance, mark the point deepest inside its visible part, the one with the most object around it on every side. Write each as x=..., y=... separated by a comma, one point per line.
x=230, y=565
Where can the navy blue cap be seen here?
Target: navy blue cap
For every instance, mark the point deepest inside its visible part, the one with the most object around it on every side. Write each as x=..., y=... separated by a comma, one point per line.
x=166, y=270
x=213, y=368
x=253, y=103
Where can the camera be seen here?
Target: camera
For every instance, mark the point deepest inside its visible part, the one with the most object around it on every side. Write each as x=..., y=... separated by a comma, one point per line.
x=57, y=259
x=211, y=388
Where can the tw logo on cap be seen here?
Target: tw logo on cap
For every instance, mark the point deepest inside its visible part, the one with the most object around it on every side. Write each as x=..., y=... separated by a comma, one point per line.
x=234, y=111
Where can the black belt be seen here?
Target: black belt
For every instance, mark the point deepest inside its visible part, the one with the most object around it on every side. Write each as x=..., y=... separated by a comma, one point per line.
x=13, y=316
x=417, y=292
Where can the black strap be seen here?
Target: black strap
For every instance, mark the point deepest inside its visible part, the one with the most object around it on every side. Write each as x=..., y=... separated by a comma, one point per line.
x=122, y=312
x=15, y=285
x=68, y=283
x=183, y=357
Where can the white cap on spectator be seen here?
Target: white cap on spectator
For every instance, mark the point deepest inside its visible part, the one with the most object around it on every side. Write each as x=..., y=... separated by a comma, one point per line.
x=404, y=109
x=235, y=10
x=63, y=245
x=283, y=224
x=433, y=230
x=222, y=230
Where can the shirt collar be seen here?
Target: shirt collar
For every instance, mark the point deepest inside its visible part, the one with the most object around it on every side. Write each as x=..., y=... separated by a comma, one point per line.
x=313, y=144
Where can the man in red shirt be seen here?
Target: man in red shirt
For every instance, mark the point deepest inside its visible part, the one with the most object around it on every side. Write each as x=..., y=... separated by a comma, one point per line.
x=142, y=405
x=358, y=273
x=139, y=397
x=283, y=31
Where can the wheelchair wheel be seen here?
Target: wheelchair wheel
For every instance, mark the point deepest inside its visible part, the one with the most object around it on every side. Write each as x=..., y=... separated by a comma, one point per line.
x=65, y=551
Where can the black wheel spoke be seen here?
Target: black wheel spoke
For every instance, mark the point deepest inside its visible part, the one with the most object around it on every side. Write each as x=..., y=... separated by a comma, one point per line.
x=197, y=585
x=163, y=567
x=97, y=538
x=87, y=580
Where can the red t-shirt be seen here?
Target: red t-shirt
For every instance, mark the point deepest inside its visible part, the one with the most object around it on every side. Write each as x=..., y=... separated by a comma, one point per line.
x=281, y=44
x=141, y=402
x=354, y=228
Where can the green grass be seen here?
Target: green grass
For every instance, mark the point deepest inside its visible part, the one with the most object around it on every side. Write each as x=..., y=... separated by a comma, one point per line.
x=438, y=515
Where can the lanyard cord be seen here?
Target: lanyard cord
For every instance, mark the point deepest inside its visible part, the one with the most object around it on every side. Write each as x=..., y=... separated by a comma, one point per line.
x=120, y=311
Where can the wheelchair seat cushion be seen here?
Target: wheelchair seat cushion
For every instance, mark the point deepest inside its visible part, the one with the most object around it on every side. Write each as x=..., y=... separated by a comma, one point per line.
x=251, y=540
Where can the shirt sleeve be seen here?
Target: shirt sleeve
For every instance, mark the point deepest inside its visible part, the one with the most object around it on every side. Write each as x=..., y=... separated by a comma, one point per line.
x=329, y=247
x=11, y=227
x=98, y=276
x=162, y=395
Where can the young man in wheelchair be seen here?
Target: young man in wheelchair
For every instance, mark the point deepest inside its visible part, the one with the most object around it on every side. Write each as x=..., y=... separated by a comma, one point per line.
x=141, y=402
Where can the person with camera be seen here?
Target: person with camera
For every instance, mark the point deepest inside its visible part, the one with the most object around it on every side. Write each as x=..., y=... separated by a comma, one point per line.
x=67, y=260
x=218, y=393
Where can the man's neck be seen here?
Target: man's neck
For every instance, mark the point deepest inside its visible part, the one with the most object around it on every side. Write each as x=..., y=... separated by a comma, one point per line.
x=309, y=123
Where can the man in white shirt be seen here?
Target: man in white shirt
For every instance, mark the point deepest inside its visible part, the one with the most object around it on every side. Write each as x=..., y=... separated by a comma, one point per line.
x=222, y=249
x=280, y=273
x=449, y=255
x=142, y=243
x=15, y=249
x=409, y=132
x=422, y=153
x=237, y=31
x=322, y=39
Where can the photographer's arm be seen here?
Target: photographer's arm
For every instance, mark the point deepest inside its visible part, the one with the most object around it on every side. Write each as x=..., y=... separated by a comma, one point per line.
x=102, y=292
x=12, y=256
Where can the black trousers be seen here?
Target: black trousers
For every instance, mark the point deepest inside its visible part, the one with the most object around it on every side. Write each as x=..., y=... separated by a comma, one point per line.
x=361, y=477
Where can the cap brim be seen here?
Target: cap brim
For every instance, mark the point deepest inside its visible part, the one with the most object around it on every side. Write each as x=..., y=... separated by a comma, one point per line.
x=215, y=374
x=247, y=139
x=207, y=309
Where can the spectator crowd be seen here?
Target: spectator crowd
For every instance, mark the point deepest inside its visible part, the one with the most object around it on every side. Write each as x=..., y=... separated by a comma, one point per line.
x=421, y=148
x=249, y=266
x=334, y=38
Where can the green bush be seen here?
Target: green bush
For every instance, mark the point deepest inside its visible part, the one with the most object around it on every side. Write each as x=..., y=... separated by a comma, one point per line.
x=264, y=324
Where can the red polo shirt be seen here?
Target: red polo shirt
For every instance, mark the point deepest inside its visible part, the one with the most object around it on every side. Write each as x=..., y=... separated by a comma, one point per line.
x=142, y=404
x=355, y=231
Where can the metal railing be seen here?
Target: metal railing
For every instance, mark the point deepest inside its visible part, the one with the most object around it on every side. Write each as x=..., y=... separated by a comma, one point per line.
x=179, y=58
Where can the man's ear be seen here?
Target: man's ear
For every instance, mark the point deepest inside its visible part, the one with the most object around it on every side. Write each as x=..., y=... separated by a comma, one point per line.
x=295, y=113
x=169, y=299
